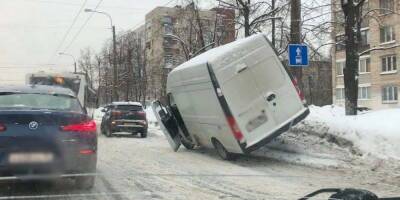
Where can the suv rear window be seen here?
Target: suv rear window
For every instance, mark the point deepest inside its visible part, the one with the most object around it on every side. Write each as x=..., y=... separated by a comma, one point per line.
x=128, y=108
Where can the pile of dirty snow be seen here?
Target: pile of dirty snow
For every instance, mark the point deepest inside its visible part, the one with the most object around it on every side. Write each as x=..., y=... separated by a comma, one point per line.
x=374, y=133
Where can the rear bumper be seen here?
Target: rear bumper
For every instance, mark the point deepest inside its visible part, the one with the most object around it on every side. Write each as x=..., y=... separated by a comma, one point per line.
x=282, y=129
x=129, y=125
x=81, y=164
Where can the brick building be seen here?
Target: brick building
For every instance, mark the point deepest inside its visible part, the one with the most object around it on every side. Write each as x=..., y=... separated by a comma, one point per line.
x=164, y=52
x=378, y=78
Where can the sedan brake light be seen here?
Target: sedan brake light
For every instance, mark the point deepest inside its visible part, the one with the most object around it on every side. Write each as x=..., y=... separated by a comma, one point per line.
x=89, y=126
x=3, y=127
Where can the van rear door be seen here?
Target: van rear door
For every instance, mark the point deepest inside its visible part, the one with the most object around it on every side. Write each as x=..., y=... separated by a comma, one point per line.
x=258, y=90
x=168, y=124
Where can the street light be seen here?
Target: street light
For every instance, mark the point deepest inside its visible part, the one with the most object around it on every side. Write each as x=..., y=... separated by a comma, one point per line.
x=70, y=55
x=115, y=72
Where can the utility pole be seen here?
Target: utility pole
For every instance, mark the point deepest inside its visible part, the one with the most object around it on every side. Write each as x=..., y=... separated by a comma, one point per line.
x=295, y=35
x=115, y=70
x=273, y=23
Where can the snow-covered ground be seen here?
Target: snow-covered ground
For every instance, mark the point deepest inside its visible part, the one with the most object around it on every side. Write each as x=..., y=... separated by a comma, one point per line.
x=373, y=133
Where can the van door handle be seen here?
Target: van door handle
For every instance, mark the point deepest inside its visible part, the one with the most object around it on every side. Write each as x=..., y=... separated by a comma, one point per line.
x=271, y=97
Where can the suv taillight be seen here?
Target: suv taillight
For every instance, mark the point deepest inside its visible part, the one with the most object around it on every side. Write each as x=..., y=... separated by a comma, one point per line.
x=89, y=126
x=116, y=113
x=298, y=90
x=141, y=113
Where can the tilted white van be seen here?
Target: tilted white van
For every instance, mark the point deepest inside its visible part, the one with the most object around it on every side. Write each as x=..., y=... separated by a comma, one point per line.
x=235, y=98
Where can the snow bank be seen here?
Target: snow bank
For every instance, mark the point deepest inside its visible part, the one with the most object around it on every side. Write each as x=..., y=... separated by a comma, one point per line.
x=374, y=133
x=150, y=115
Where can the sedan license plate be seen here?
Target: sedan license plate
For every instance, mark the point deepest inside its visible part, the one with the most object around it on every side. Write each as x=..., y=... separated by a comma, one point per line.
x=23, y=158
x=129, y=124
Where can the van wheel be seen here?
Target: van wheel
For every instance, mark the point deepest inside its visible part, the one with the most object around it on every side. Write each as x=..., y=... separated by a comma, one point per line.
x=188, y=145
x=222, y=152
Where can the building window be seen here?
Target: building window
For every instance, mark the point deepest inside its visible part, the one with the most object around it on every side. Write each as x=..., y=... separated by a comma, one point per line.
x=364, y=65
x=364, y=37
x=339, y=67
x=169, y=61
x=387, y=34
x=340, y=43
x=340, y=93
x=389, y=94
x=386, y=6
x=168, y=29
x=389, y=63
x=166, y=20
x=364, y=93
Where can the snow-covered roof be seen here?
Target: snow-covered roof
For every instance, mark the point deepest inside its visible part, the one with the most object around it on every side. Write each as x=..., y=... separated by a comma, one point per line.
x=126, y=103
x=217, y=52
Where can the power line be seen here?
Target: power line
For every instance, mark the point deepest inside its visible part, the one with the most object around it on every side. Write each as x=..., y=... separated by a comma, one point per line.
x=86, y=22
x=75, y=4
x=69, y=29
x=82, y=27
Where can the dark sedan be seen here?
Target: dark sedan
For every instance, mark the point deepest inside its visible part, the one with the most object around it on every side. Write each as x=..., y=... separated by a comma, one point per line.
x=45, y=133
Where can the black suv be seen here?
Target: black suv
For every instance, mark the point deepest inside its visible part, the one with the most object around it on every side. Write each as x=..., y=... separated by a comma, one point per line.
x=124, y=117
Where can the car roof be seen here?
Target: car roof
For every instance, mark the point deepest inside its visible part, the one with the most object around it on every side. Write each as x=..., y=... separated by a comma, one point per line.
x=37, y=89
x=126, y=103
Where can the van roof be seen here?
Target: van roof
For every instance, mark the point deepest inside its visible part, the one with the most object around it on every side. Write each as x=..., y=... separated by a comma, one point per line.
x=217, y=52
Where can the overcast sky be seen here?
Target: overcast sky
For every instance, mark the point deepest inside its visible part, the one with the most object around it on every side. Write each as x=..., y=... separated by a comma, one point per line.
x=32, y=31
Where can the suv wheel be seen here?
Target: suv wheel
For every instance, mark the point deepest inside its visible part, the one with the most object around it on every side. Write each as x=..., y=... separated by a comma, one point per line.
x=108, y=132
x=143, y=134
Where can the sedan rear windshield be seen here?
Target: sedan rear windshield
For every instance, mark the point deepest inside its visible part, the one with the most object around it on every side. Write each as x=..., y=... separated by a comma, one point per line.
x=129, y=108
x=39, y=101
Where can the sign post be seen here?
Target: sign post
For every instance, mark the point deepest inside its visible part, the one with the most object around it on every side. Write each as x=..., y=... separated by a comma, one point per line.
x=298, y=55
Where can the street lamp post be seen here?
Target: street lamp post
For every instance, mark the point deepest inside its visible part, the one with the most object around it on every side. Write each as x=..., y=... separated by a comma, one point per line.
x=115, y=71
x=70, y=55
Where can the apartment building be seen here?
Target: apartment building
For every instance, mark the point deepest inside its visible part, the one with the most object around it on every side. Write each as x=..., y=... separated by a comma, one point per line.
x=379, y=79
x=172, y=33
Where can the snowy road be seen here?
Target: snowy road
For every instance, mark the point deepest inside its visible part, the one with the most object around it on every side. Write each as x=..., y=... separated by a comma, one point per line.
x=136, y=168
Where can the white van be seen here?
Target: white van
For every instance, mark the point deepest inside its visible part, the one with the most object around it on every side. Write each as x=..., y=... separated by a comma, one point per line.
x=235, y=98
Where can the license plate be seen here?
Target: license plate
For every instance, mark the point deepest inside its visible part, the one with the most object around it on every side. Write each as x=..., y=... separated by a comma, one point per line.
x=20, y=158
x=130, y=124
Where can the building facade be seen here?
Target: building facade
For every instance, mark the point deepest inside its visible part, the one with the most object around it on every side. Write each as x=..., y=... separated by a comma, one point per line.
x=173, y=34
x=379, y=80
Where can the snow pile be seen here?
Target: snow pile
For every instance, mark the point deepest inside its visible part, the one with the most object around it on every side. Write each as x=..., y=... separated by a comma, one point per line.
x=373, y=133
x=151, y=118
x=98, y=115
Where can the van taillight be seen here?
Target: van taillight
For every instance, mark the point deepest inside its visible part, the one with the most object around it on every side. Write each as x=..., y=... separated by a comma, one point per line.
x=89, y=126
x=235, y=128
x=3, y=127
x=298, y=90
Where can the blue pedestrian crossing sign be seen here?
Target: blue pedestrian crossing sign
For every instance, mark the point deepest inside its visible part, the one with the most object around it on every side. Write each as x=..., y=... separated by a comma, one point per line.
x=298, y=55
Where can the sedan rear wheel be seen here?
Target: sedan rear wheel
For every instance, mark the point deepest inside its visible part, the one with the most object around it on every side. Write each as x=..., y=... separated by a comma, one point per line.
x=85, y=182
